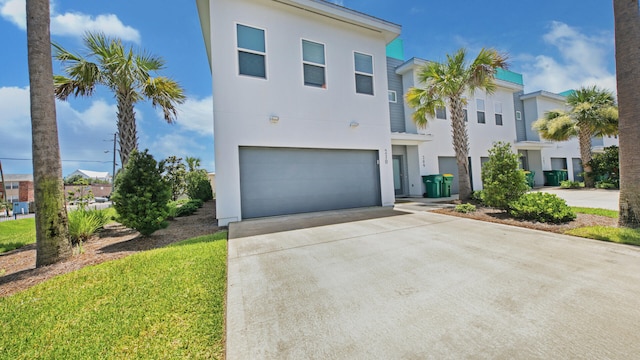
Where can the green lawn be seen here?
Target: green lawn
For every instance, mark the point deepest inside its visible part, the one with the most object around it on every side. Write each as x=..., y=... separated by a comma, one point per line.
x=166, y=303
x=607, y=233
x=17, y=233
x=595, y=211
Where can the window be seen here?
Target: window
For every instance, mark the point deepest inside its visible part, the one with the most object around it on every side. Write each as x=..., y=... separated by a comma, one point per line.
x=364, y=73
x=12, y=185
x=498, y=109
x=313, y=64
x=480, y=106
x=12, y=198
x=251, y=51
x=441, y=113
x=393, y=97
x=466, y=115
x=518, y=115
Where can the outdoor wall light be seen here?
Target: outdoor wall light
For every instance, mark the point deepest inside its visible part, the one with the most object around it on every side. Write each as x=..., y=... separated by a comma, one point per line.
x=274, y=119
x=354, y=124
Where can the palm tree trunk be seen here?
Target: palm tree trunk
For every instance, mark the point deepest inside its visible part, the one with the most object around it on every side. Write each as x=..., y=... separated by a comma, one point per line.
x=128, y=135
x=584, y=139
x=461, y=147
x=627, y=36
x=52, y=231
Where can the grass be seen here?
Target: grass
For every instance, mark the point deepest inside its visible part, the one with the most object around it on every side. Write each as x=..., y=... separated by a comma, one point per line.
x=607, y=233
x=595, y=211
x=17, y=233
x=166, y=303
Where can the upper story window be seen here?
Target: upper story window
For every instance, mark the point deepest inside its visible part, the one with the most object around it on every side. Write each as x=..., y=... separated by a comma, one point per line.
x=313, y=64
x=466, y=115
x=480, y=109
x=12, y=185
x=393, y=96
x=498, y=108
x=364, y=73
x=518, y=115
x=251, y=51
x=441, y=113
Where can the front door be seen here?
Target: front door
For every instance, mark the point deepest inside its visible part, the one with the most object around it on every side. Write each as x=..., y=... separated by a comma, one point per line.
x=398, y=175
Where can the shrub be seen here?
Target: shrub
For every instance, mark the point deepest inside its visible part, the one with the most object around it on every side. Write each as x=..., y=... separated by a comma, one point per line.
x=607, y=184
x=84, y=223
x=198, y=185
x=465, y=208
x=568, y=184
x=478, y=196
x=605, y=166
x=542, y=207
x=141, y=195
x=188, y=208
x=502, y=181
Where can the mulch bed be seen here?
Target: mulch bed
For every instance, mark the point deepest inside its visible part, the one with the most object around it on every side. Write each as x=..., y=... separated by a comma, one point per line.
x=498, y=216
x=113, y=242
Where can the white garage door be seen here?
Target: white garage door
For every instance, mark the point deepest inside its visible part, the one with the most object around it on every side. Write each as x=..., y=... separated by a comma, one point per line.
x=278, y=181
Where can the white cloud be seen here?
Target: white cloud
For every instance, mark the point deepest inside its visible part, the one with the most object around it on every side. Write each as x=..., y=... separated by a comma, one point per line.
x=583, y=61
x=176, y=144
x=196, y=115
x=73, y=24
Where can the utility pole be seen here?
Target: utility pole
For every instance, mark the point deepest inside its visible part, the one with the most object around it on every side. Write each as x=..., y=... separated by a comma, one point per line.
x=3, y=189
x=113, y=172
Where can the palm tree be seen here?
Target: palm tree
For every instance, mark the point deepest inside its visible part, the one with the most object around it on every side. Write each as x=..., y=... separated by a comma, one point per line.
x=445, y=84
x=127, y=74
x=193, y=163
x=593, y=113
x=627, y=35
x=52, y=232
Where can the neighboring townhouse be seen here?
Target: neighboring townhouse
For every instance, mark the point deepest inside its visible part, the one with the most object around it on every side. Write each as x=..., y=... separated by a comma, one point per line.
x=93, y=175
x=506, y=115
x=301, y=115
x=18, y=187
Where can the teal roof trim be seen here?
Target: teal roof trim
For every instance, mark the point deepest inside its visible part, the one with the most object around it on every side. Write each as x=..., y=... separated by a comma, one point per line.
x=395, y=49
x=509, y=76
x=567, y=93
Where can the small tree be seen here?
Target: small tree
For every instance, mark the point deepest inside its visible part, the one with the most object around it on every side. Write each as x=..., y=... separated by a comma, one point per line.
x=502, y=181
x=174, y=172
x=606, y=166
x=141, y=195
x=81, y=193
x=198, y=185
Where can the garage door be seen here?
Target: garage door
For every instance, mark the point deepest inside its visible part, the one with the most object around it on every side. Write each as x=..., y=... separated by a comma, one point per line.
x=278, y=181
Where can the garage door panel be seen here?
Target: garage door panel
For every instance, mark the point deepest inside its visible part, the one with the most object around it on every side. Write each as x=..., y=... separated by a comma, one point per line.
x=277, y=181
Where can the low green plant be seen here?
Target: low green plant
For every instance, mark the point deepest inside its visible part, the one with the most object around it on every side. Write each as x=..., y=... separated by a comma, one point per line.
x=607, y=184
x=502, y=181
x=478, y=196
x=84, y=223
x=198, y=185
x=568, y=184
x=465, y=208
x=189, y=208
x=542, y=207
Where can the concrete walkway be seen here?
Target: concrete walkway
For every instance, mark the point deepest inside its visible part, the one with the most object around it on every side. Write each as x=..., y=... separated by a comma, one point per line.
x=597, y=198
x=428, y=286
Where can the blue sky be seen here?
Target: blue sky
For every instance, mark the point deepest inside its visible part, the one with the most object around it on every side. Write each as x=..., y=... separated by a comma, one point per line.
x=556, y=45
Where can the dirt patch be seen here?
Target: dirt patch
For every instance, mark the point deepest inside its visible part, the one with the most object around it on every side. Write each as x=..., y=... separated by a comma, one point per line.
x=18, y=269
x=497, y=216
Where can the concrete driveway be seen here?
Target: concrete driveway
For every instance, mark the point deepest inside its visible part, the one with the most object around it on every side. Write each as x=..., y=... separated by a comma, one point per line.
x=598, y=198
x=428, y=286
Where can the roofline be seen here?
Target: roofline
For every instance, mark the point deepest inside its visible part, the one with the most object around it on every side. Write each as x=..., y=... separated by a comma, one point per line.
x=542, y=93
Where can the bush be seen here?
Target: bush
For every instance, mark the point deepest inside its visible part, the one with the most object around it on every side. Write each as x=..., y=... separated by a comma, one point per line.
x=141, y=195
x=542, y=207
x=84, y=223
x=607, y=184
x=502, y=181
x=465, y=208
x=568, y=184
x=605, y=166
x=478, y=196
x=198, y=185
x=188, y=208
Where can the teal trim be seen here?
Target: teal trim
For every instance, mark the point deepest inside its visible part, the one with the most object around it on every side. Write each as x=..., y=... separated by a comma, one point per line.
x=509, y=76
x=395, y=49
x=567, y=93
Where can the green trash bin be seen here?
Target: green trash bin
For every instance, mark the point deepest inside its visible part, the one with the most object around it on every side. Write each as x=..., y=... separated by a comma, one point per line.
x=447, y=180
x=551, y=178
x=563, y=175
x=530, y=175
x=433, y=184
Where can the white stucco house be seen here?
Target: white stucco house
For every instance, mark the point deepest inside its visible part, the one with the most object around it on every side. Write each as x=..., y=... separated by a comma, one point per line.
x=309, y=112
x=301, y=113
x=89, y=174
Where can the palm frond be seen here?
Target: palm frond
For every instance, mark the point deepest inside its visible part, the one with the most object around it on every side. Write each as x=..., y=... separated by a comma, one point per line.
x=483, y=70
x=165, y=93
x=556, y=125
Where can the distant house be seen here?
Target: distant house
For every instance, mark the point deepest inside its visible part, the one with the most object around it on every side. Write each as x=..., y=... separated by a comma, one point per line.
x=88, y=174
x=18, y=187
x=212, y=180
